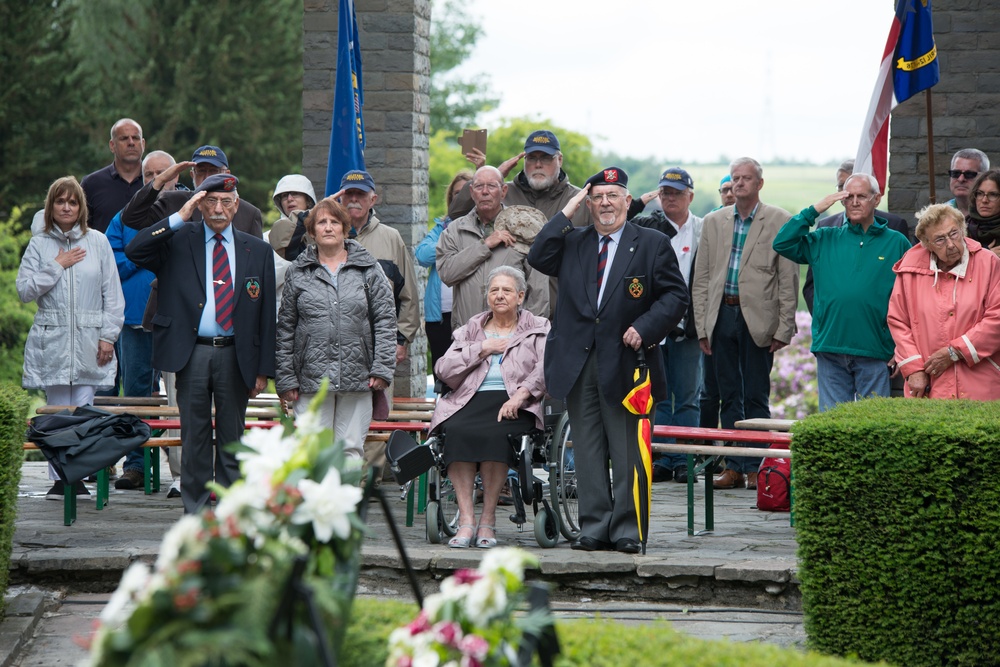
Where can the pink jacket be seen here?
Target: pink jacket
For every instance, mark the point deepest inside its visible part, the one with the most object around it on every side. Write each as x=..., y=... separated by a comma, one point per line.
x=462, y=369
x=930, y=310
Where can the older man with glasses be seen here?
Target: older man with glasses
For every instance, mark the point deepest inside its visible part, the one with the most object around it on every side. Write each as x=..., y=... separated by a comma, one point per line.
x=966, y=165
x=853, y=277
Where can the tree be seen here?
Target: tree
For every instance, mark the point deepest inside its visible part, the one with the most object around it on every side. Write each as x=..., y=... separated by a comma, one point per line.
x=228, y=74
x=15, y=317
x=37, y=101
x=455, y=102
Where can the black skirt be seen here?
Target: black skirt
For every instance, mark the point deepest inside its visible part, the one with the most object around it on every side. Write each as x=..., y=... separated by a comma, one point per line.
x=474, y=435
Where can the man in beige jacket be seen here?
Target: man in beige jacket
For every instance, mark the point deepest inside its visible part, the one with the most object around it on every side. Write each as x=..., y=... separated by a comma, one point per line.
x=744, y=297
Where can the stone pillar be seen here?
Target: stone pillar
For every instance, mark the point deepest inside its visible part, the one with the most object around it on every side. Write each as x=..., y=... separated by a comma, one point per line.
x=395, y=53
x=965, y=105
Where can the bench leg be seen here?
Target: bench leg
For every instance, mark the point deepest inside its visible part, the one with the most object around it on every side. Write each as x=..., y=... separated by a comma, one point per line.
x=103, y=488
x=690, y=490
x=155, y=455
x=69, y=504
x=409, y=506
x=422, y=494
x=147, y=481
x=709, y=498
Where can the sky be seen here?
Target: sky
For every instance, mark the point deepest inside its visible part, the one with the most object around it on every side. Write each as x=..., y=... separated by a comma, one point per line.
x=687, y=81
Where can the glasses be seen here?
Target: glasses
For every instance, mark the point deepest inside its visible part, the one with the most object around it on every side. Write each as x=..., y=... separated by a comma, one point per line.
x=941, y=241
x=479, y=187
x=968, y=173
x=672, y=192
x=857, y=199
x=225, y=203
x=612, y=198
x=991, y=197
x=725, y=191
x=540, y=158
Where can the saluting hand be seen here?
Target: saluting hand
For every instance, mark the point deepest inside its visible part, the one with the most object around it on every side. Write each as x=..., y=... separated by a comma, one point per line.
x=190, y=205
x=573, y=204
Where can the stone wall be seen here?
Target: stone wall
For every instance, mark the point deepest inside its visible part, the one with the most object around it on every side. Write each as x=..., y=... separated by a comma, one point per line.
x=395, y=51
x=965, y=105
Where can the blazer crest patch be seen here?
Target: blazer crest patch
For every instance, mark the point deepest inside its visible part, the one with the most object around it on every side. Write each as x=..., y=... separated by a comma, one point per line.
x=635, y=287
x=253, y=288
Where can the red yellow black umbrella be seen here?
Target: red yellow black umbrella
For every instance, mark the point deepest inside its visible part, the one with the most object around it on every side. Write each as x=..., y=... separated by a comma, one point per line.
x=639, y=401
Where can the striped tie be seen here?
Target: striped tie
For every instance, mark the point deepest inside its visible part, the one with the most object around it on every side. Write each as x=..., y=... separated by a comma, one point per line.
x=602, y=261
x=223, y=282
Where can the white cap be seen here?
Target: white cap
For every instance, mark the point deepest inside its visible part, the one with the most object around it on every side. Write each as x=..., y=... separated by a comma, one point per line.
x=294, y=183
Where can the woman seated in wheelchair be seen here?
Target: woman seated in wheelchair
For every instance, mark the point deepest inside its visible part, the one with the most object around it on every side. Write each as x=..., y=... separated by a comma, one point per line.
x=494, y=371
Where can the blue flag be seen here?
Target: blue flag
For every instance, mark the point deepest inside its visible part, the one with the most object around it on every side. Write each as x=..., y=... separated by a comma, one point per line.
x=915, y=63
x=347, y=134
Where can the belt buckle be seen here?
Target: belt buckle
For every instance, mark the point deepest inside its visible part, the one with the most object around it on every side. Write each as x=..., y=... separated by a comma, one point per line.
x=218, y=341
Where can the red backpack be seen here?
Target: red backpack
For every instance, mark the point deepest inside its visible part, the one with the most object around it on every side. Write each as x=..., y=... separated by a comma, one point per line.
x=774, y=484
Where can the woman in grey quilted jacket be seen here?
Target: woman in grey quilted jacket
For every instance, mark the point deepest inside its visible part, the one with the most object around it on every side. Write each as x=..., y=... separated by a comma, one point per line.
x=337, y=322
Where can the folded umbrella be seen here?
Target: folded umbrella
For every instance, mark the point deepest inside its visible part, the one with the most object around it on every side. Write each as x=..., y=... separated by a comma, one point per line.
x=639, y=401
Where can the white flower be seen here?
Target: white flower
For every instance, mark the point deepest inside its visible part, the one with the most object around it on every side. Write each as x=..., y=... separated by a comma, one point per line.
x=181, y=538
x=308, y=424
x=119, y=607
x=327, y=505
x=510, y=559
x=485, y=600
x=245, y=505
x=271, y=451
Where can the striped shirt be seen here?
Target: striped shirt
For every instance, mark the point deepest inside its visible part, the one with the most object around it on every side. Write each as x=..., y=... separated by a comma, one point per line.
x=740, y=229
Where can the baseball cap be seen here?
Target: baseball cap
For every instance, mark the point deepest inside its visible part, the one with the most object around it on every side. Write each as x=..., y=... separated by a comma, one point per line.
x=357, y=179
x=542, y=140
x=676, y=178
x=212, y=155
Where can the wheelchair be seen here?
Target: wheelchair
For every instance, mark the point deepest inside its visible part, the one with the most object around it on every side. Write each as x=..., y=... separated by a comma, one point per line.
x=553, y=500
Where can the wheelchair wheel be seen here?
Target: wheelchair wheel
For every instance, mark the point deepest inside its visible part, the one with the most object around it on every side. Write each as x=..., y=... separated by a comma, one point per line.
x=431, y=521
x=546, y=529
x=447, y=507
x=562, y=487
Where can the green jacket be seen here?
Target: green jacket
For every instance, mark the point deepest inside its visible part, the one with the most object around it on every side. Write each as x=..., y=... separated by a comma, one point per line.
x=852, y=271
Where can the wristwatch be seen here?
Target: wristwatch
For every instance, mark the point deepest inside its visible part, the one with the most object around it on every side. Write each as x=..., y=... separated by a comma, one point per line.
x=952, y=353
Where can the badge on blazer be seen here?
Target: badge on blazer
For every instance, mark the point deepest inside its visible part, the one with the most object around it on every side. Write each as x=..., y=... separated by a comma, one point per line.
x=253, y=288
x=635, y=286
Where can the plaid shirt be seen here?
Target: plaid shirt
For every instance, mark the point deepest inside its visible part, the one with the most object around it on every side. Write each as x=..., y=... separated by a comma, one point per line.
x=740, y=229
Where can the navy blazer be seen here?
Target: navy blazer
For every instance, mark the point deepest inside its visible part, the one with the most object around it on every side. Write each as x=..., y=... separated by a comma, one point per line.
x=644, y=289
x=177, y=257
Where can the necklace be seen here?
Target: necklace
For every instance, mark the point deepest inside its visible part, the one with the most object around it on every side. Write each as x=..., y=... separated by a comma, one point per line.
x=507, y=332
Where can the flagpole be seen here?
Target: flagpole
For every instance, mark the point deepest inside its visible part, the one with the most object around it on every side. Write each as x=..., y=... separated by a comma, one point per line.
x=930, y=148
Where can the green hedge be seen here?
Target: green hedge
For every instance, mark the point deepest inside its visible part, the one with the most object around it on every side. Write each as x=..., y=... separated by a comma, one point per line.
x=592, y=643
x=13, y=411
x=898, y=521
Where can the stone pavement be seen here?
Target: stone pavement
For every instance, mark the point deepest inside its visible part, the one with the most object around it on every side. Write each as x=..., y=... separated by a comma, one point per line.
x=738, y=581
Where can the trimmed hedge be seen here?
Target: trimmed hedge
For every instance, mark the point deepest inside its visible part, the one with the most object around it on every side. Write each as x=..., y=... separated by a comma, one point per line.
x=592, y=643
x=898, y=516
x=13, y=411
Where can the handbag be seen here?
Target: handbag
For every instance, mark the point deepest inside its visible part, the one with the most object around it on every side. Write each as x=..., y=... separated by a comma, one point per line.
x=407, y=458
x=774, y=484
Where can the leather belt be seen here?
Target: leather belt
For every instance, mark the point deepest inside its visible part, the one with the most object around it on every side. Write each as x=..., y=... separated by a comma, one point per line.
x=215, y=341
x=731, y=300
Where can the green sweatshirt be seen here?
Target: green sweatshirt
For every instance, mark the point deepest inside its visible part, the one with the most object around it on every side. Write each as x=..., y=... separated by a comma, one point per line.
x=852, y=273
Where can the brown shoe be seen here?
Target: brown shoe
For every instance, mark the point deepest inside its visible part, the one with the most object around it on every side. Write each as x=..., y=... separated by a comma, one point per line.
x=729, y=479
x=751, y=480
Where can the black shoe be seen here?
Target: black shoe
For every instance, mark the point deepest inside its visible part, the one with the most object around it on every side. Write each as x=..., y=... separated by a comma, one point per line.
x=58, y=490
x=627, y=545
x=175, y=491
x=130, y=479
x=661, y=474
x=585, y=543
x=681, y=475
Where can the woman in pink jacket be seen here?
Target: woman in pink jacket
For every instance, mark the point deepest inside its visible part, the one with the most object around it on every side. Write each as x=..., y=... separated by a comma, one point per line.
x=944, y=312
x=494, y=369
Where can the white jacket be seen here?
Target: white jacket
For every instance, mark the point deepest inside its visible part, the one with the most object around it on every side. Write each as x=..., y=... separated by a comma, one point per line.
x=77, y=307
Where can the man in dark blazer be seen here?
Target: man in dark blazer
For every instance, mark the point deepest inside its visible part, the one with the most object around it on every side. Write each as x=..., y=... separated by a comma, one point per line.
x=214, y=325
x=622, y=291
x=150, y=204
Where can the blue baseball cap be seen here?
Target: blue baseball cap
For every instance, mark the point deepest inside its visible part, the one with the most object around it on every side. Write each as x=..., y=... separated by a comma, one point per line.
x=357, y=179
x=542, y=140
x=211, y=155
x=676, y=178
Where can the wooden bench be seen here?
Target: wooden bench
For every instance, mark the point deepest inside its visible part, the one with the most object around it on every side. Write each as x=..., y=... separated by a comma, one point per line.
x=698, y=435
x=157, y=411
x=103, y=483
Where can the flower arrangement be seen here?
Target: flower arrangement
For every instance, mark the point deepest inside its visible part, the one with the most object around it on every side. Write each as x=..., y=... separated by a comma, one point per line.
x=223, y=576
x=794, y=388
x=471, y=622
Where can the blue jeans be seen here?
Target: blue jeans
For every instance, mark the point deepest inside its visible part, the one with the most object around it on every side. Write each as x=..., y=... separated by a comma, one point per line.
x=135, y=352
x=683, y=366
x=844, y=378
x=743, y=372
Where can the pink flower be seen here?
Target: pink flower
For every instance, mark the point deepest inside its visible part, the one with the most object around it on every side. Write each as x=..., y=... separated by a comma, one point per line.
x=475, y=647
x=467, y=576
x=448, y=633
x=419, y=624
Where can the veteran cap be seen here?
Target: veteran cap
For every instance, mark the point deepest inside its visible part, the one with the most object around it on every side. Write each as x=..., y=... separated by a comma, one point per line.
x=609, y=176
x=725, y=179
x=218, y=183
x=542, y=140
x=357, y=179
x=211, y=155
x=676, y=178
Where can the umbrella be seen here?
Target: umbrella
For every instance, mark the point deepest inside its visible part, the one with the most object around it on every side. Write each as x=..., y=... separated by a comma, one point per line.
x=639, y=401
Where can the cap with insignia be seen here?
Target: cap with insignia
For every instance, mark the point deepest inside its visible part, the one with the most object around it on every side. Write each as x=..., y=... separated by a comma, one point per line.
x=218, y=183
x=609, y=176
x=677, y=179
x=357, y=179
x=542, y=140
x=211, y=155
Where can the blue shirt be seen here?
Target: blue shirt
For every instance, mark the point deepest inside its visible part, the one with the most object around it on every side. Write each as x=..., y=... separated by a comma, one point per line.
x=208, y=326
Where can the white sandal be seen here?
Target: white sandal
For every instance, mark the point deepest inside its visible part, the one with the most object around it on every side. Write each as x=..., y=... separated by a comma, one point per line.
x=486, y=542
x=462, y=542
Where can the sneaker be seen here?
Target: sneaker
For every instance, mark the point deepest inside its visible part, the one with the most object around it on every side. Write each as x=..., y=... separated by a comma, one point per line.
x=58, y=490
x=130, y=479
x=175, y=489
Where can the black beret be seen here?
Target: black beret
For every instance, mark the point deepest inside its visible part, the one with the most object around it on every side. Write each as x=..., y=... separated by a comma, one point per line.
x=609, y=176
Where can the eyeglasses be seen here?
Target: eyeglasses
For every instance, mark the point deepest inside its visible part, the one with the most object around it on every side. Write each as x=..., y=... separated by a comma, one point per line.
x=612, y=198
x=941, y=241
x=479, y=187
x=672, y=192
x=857, y=199
x=725, y=191
x=540, y=158
x=991, y=197
x=968, y=173
x=225, y=203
